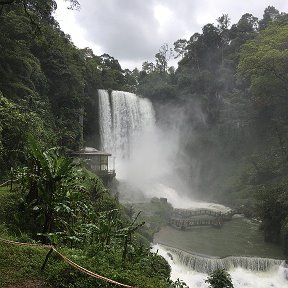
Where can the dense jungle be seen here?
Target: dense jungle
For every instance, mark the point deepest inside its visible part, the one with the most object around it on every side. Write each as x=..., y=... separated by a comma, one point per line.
x=231, y=87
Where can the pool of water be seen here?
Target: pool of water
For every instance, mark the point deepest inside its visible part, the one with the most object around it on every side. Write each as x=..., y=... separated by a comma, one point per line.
x=238, y=237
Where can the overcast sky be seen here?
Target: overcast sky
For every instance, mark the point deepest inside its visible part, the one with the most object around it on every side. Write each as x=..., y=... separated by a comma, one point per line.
x=132, y=31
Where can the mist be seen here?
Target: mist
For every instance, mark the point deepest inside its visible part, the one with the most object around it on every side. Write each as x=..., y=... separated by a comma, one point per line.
x=152, y=168
x=149, y=151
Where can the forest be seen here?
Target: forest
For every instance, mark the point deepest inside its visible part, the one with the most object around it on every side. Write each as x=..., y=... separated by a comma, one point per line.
x=230, y=84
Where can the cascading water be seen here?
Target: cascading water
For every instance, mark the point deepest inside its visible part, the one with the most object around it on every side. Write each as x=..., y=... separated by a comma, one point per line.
x=123, y=116
x=208, y=264
x=143, y=153
x=245, y=272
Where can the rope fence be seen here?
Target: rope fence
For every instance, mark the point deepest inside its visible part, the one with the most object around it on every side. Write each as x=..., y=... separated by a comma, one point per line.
x=67, y=260
x=5, y=183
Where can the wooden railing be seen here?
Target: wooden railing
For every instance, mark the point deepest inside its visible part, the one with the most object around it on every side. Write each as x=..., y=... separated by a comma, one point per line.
x=183, y=218
x=189, y=213
x=105, y=172
x=186, y=223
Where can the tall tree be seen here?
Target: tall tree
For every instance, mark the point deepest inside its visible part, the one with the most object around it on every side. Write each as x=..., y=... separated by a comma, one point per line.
x=162, y=57
x=270, y=14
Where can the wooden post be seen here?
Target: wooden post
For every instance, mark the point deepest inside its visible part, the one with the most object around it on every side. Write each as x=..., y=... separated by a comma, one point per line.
x=46, y=259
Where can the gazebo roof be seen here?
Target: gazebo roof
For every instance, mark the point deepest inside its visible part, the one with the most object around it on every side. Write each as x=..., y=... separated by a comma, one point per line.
x=90, y=151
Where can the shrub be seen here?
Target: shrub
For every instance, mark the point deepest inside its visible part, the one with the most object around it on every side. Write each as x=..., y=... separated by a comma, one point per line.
x=219, y=279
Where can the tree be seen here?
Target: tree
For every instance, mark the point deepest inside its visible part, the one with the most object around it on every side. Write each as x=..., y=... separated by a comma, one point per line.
x=35, y=10
x=203, y=51
x=162, y=58
x=195, y=51
x=63, y=65
x=16, y=122
x=148, y=67
x=40, y=7
x=180, y=48
x=266, y=55
x=263, y=64
x=211, y=37
x=273, y=204
x=247, y=23
x=223, y=24
x=110, y=62
x=219, y=279
x=245, y=29
x=270, y=15
x=130, y=80
x=21, y=76
x=45, y=175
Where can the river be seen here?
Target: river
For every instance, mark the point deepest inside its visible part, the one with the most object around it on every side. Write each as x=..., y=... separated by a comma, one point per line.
x=204, y=246
x=238, y=237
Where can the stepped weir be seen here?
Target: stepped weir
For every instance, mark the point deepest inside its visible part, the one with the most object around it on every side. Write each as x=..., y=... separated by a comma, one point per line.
x=204, y=264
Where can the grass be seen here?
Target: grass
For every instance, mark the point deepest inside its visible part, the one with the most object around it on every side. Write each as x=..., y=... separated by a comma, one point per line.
x=18, y=264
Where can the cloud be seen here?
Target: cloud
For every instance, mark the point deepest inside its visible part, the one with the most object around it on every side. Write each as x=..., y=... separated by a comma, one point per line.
x=123, y=29
x=132, y=31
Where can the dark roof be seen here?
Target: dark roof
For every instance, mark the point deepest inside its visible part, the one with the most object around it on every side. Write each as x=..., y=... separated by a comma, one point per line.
x=89, y=151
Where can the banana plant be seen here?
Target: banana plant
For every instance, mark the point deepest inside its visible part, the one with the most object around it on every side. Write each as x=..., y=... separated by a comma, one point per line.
x=45, y=177
x=126, y=235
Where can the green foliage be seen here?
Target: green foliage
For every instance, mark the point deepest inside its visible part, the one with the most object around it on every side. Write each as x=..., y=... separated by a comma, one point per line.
x=235, y=133
x=179, y=284
x=57, y=199
x=274, y=207
x=262, y=65
x=284, y=235
x=23, y=264
x=46, y=180
x=15, y=123
x=8, y=207
x=219, y=279
x=262, y=62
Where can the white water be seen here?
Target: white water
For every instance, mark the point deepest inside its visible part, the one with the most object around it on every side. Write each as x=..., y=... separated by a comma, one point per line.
x=123, y=118
x=275, y=276
x=145, y=155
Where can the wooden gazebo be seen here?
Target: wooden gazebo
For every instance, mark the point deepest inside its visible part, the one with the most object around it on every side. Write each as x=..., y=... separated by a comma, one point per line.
x=95, y=160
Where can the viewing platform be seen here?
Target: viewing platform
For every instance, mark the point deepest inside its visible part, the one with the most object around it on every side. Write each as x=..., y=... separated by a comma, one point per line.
x=97, y=161
x=186, y=218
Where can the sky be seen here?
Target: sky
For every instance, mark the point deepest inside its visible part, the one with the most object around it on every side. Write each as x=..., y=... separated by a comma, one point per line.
x=132, y=31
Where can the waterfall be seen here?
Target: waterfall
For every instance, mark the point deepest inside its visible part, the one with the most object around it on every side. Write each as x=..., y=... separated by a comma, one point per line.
x=146, y=155
x=141, y=150
x=204, y=264
x=105, y=121
x=123, y=116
